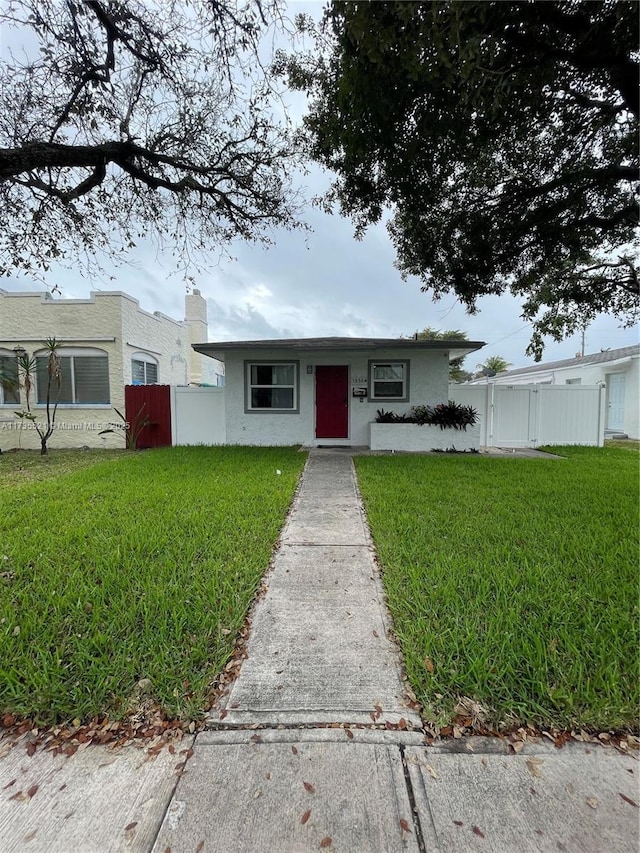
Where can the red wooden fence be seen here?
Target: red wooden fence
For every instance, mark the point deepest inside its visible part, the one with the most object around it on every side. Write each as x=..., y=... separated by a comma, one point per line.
x=153, y=403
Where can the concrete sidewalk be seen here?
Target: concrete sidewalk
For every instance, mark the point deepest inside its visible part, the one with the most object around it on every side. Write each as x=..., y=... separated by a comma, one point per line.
x=279, y=769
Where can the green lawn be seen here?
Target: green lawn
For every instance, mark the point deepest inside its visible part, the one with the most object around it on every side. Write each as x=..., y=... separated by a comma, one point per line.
x=28, y=466
x=513, y=582
x=142, y=567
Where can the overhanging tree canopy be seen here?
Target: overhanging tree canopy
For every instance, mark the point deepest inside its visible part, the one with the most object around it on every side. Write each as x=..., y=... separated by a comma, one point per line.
x=502, y=136
x=122, y=118
x=456, y=373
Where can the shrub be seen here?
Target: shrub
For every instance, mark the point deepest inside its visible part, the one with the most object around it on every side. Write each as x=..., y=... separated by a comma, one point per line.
x=383, y=417
x=450, y=414
x=453, y=415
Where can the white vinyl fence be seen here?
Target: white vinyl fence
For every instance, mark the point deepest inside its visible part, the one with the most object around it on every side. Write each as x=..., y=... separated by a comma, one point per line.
x=531, y=415
x=197, y=415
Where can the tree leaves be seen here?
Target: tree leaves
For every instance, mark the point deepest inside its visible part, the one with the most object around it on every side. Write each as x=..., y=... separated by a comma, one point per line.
x=511, y=168
x=126, y=123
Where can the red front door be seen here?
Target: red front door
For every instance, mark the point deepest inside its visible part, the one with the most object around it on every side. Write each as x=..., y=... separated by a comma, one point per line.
x=332, y=401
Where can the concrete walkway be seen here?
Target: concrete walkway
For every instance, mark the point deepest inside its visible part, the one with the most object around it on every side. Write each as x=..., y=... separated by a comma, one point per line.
x=279, y=769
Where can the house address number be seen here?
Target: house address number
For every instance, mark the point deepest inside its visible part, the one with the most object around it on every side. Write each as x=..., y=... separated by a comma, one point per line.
x=359, y=380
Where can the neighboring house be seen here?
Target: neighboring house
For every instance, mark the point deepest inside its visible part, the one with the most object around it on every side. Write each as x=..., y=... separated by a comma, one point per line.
x=323, y=391
x=107, y=342
x=617, y=369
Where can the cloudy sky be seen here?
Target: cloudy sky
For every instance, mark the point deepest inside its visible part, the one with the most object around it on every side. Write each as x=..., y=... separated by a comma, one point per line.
x=323, y=283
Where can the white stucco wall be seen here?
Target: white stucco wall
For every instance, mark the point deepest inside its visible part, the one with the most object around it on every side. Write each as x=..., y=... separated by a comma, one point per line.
x=428, y=384
x=417, y=438
x=27, y=319
x=160, y=336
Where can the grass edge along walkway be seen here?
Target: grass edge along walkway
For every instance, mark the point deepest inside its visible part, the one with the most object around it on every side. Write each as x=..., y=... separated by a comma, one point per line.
x=513, y=582
x=142, y=568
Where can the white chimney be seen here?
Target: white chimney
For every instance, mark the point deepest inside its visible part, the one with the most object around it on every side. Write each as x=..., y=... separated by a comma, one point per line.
x=195, y=318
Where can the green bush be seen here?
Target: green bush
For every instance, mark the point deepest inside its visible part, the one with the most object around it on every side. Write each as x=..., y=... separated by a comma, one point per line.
x=450, y=414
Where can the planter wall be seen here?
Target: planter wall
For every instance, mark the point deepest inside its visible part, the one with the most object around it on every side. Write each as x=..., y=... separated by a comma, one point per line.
x=415, y=438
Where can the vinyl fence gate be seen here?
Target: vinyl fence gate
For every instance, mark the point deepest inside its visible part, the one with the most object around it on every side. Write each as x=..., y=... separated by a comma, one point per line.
x=532, y=415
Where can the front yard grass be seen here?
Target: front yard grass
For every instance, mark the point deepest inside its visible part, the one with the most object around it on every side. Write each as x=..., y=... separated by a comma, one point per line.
x=28, y=466
x=513, y=582
x=141, y=568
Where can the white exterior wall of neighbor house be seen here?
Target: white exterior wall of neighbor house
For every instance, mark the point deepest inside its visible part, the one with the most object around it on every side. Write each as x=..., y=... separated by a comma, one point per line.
x=428, y=384
x=110, y=321
x=28, y=319
x=164, y=339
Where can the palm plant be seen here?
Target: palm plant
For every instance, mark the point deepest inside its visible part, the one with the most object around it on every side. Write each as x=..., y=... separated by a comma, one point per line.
x=27, y=366
x=493, y=364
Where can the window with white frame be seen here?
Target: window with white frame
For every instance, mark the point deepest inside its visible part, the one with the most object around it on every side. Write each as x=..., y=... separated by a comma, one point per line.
x=144, y=369
x=272, y=386
x=84, y=377
x=389, y=380
x=9, y=380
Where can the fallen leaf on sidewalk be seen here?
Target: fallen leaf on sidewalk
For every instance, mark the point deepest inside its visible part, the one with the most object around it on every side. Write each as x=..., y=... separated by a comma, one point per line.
x=593, y=802
x=533, y=765
x=326, y=842
x=404, y=826
x=305, y=817
x=349, y=733
x=294, y=750
x=131, y=826
x=477, y=831
x=309, y=787
x=628, y=800
x=20, y=796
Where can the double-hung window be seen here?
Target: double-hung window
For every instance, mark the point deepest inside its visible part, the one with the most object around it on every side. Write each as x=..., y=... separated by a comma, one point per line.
x=389, y=380
x=84, y=377
x=144, y=369
x=9, y=388
x=272, y=386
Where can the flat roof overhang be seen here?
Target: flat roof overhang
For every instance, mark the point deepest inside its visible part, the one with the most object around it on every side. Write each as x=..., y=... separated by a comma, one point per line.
x=307, y=346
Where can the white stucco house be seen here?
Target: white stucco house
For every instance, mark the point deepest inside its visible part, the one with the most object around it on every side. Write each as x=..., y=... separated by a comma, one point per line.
x=617, y=369
x=326, y=391
x=107, y=342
